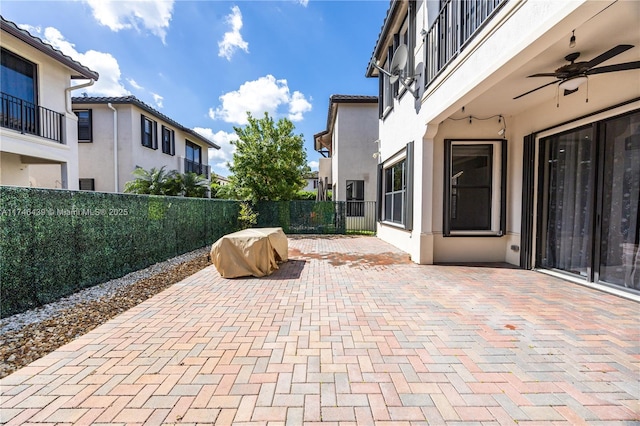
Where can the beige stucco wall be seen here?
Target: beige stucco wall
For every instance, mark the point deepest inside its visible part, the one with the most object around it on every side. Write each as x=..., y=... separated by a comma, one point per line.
x=12, y=170
x=52, y=80
x=97, y=158
x=354, y=136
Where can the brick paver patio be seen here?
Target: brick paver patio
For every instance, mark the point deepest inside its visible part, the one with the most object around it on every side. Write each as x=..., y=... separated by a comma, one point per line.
x=348, y=332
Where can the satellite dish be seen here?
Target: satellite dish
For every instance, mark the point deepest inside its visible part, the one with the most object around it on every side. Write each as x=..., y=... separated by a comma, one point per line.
x=396, y=69
x=398, y=62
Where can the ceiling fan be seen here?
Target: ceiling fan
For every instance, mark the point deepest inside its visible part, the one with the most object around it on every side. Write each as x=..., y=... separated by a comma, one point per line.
x=572, y=75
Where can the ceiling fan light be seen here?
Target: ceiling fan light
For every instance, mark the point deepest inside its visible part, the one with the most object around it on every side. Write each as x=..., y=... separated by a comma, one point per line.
x=573, y=83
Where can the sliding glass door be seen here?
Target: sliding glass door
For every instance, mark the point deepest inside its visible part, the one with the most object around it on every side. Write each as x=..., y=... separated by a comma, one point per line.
x=568, y=201
x=619, y=260
x=589, y=202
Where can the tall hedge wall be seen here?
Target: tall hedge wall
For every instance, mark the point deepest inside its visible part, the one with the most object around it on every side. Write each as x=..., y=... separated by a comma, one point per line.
x=56, y=242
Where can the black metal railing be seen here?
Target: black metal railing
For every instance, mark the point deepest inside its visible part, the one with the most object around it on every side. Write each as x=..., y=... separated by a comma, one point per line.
x=197, y=168
x=26, y=117
x=457, y=22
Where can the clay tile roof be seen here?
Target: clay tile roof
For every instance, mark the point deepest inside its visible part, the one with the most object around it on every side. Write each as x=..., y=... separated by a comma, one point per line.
x=24, y=35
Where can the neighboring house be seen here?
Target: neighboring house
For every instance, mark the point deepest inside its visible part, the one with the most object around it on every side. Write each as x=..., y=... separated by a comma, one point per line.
x=312, y=182
x=123, y=133
x=350, y=145
x=493, y=162
x=221, y=180
x=37, y=127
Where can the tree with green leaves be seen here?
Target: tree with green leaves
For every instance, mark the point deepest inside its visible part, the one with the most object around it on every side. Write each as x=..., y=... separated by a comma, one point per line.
x=160, y=182
x=269, y=162
x=154, y=181
x=194, y=185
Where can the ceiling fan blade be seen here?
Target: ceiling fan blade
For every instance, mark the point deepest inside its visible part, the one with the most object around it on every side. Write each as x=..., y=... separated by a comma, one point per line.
x=568, y=92
x=617, y=67
x=537, y=88
x=608, y=55
x=543, y=74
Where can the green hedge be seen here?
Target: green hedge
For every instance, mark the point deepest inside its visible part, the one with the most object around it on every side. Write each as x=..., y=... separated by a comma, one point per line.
x=56, y=242
x=302, y=216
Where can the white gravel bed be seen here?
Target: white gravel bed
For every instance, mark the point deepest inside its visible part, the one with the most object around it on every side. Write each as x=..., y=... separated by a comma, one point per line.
x=43, y=313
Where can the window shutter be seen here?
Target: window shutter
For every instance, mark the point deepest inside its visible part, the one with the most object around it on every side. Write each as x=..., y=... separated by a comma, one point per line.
x=396, y=44
x=155, y=135
x=526, y=227
x=90, y=124
x=381, y=99
x=446, y=212
x=408, y=212
x=142, y=133
x=412, y=36
x=380, y=188
x=173, y=142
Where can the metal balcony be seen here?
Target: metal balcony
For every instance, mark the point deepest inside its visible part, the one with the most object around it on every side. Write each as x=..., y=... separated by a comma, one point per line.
x=197, y=168
x=457, y=22
x=27, y=118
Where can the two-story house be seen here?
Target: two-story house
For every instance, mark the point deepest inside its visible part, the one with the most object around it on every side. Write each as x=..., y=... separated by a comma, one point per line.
x=510, y=132
x=118, y=134
x=350, y=151
x=38, y=129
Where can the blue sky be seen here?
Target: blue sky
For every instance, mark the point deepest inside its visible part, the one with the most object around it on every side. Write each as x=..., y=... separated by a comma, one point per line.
x=204, y=63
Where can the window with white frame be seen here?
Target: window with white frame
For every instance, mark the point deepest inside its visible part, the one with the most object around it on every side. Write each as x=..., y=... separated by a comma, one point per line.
x=395, y=188
x=475, y=187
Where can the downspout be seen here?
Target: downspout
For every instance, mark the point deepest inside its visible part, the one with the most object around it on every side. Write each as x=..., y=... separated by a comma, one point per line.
x=115, y=145
x=68, y=93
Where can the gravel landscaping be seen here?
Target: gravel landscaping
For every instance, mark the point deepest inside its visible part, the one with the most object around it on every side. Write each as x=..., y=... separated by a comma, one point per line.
x=30, y=335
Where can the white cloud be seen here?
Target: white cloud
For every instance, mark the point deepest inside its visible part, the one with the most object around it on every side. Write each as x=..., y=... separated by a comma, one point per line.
x=266, y=94
x=105, y=64
x=232, y=40
x=218, y=158
x=303, y=2
x=298, y=105
x=134, y=84
x=152, y=15
x=313, y=165
x=157, y=99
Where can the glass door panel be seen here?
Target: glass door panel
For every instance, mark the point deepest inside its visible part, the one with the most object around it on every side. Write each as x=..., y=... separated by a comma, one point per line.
x=619, y=243
x=568, y=202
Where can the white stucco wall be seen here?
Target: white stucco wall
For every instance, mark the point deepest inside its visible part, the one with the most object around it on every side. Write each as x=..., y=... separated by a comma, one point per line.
x=521, y=32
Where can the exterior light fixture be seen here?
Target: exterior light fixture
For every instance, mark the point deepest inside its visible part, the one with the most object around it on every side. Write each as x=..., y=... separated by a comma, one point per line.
x=572, y=40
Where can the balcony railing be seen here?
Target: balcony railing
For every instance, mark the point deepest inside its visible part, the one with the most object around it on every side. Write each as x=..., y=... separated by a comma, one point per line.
x=197, y=168
x=456, y=24
x=25, y=117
